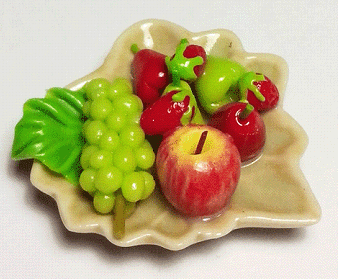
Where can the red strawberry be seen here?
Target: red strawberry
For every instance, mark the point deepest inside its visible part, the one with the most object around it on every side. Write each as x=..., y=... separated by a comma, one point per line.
x=150, y=74
x=164, y=115
x=270, y=92
x=188, y=62
x=193, y=51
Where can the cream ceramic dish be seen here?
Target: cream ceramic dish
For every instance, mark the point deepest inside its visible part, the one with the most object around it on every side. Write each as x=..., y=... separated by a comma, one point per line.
x=272, y=191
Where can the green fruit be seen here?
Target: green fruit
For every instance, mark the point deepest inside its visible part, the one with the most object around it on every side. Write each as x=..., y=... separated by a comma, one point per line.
x=94, y=130
x=119, y=88
x=109, y=140
x=100, y=108
x=97, y=88
x=100, y=159
x=103, y=203
x=124, y=158
x=149, y=184
x=87, y=152
x=116, y=120
x=132, y=136
x=145, y=156
x=130, y=104
x=133, y=186
x=108, y=179
x=218, y=84
x=115, y=148
x=87, y=179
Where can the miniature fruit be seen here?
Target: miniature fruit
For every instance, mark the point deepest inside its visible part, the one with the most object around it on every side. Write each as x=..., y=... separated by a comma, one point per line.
x=198, y=184
x=245, y=126
x=116, y=153
x=188, y=62
x=163, y=115
x=192, y=51
x=270, y=92
x=175, y=108
x=224, y=81
x=150, y=74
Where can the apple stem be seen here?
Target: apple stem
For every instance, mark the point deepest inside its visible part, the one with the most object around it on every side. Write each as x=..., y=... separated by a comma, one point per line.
x=134, y=48
x=246, y=111
x=201, y=142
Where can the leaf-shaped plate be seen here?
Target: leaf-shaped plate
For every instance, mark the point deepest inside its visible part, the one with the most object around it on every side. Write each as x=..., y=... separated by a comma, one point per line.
x=272, y=191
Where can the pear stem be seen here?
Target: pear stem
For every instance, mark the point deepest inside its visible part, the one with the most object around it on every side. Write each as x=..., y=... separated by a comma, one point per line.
x=201, y=142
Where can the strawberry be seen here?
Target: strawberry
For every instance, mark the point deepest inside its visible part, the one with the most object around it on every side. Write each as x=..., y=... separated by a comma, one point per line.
x=188, y=62
x=163, y=115
x=149, y=74
x=270, y=93
x=176, y=107
x=193, y=51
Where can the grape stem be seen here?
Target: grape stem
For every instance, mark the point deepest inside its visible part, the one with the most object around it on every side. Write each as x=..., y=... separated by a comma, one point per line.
x=119, y=217
x=201, y=142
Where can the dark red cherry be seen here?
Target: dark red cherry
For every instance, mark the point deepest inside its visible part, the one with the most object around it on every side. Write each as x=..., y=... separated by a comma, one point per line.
x=244, y=125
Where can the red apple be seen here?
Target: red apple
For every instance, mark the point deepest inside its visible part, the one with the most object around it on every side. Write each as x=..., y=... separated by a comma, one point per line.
x=198, y=184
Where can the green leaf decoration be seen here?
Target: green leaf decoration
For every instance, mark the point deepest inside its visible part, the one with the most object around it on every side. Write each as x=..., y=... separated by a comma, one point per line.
x=51, y=132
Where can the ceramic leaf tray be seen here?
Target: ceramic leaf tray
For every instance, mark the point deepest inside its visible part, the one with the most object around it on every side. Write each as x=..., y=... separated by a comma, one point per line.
x=272, y=191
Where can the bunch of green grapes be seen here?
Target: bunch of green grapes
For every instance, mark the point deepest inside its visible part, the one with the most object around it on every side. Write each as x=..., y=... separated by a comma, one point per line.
x=116, y=156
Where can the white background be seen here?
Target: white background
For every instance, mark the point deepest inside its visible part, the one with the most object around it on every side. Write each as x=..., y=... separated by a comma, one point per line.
x=51, y=43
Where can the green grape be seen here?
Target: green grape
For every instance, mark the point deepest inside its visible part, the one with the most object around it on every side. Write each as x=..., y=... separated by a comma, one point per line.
x=120, y=87
x=109, y=141
x=129, y=104
x=124, y=158
x=85, y=125
x=94, y=130
x=97, y=88
x=87, y=179
x=100, y=158
x=103, y=203
x=100, y=108
x=87, y=152
x=149, y=184
x=116, y=152
x=132, y=136
x=108, y=179
x=146, y=144
x=116, y=120
x=134, y=118
x=86, y=108
x=145, y=156
x=133, y=186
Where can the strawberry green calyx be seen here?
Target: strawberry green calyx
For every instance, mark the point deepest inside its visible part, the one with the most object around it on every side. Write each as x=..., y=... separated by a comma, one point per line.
x=193, y=114
x=181, y=66
x=246, y=82
x=134, y=48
